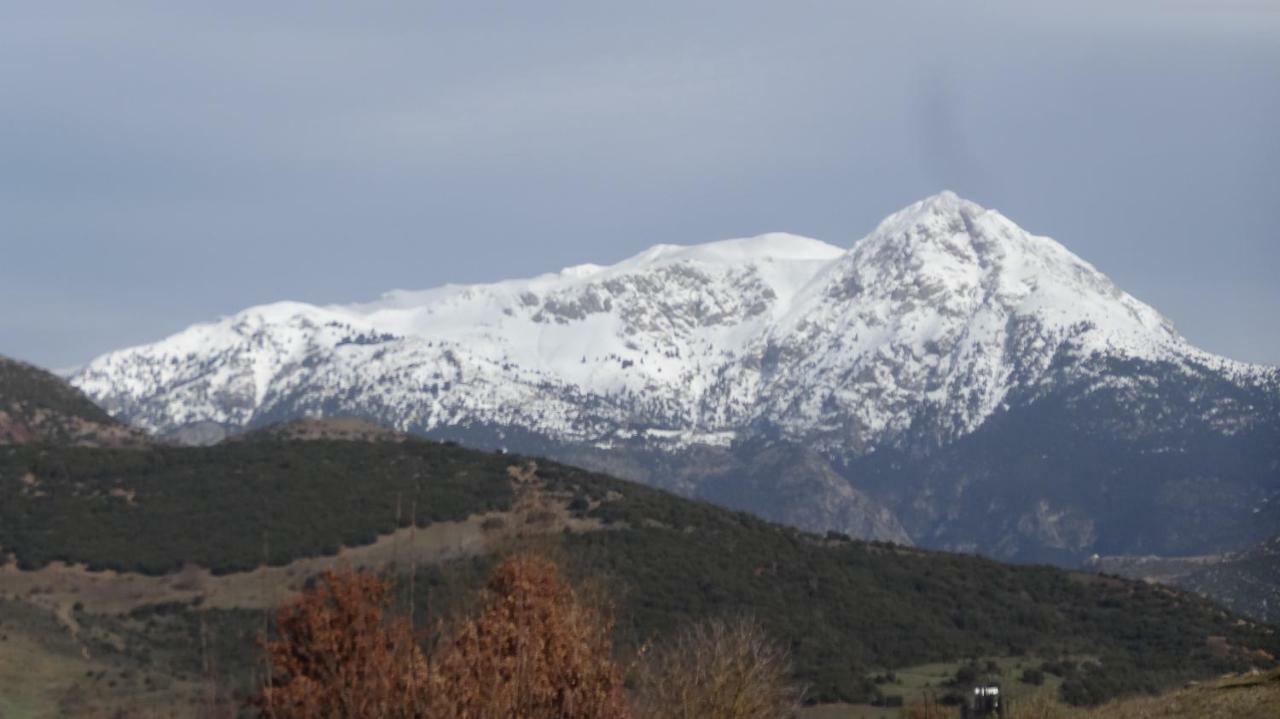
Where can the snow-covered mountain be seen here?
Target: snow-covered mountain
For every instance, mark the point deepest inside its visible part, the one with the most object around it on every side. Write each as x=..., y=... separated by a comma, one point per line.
x=585, y=354
x=943, y=317
x=946, y=305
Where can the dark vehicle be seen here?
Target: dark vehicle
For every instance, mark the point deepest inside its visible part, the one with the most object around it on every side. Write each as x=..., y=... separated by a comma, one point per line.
x=984, y=701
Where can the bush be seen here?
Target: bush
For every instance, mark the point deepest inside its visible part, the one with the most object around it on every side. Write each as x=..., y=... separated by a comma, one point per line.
x=716, y=669
x=1061, y=668
x=965, y=676
x=1034, y=677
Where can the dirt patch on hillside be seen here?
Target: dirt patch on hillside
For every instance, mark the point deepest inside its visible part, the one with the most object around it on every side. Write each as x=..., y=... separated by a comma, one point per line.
x=60, y=587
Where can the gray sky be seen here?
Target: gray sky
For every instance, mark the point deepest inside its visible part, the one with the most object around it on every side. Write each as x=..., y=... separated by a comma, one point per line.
x=162, y=164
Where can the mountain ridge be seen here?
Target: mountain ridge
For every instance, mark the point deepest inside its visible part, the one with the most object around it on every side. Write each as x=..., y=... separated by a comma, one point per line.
x=939, y=321
x=791, y=278
x=37, y=406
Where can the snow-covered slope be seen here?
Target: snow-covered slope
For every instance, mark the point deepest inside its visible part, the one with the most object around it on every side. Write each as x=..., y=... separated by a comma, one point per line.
x=975, y=386
x=930, y=322
x=923, y=328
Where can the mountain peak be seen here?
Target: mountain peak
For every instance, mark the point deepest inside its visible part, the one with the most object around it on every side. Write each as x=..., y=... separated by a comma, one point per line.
x=945, y=202
x=937, y=216
x=945, y=303
x=951, y=257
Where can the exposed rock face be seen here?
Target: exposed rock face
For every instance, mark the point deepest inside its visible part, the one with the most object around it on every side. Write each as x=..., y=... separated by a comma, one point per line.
x=983, y=385
x=787, y=483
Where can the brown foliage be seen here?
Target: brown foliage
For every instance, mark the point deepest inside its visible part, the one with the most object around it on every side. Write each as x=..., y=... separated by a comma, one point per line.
x=717, y=669
x=339, y=655
x=536, y=651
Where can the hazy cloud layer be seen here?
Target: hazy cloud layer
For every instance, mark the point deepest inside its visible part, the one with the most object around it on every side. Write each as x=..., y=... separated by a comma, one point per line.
x=161, y=165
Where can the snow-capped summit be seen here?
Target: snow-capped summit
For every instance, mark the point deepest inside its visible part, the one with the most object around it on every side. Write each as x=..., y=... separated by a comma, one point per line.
x=945, y=306
x=949, y=379
x=942, y=311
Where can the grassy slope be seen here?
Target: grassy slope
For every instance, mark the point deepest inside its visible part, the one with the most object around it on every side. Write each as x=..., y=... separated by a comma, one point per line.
x=1247, y=696
x=846, y=608
x=1251, y=696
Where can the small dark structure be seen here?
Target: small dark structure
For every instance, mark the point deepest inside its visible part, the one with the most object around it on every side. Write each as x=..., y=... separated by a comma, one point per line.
x=984, y=701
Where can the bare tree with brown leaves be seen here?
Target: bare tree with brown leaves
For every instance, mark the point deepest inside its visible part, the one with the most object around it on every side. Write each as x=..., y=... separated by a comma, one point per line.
x=536, y=651
x=340, y=655
x=716, y=669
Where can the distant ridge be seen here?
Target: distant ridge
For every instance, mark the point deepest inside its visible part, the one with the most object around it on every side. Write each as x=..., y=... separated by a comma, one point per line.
x=347, y=429
x=39, y=407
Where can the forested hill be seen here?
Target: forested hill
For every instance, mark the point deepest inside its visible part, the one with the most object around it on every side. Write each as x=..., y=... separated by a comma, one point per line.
x=846, y=608
x=38, y=406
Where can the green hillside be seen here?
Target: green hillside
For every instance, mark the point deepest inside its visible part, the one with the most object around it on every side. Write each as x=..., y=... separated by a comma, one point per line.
x=153, y=510
x=846, y=608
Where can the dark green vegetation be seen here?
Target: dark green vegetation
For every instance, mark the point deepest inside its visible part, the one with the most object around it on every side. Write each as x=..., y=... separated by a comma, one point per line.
x=221, y=507
x=847, y=609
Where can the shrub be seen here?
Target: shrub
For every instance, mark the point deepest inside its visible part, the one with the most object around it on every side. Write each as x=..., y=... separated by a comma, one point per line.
x=965, y=675
x=716, y=669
